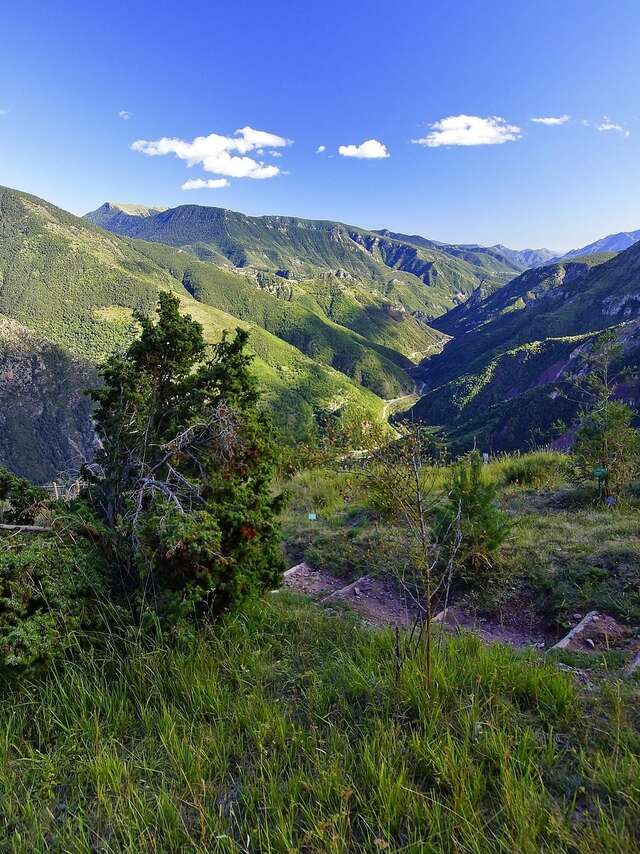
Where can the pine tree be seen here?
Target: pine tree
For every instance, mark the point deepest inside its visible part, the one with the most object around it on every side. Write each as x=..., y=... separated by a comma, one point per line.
x=606, y=443
x=183, y=477
x=483, y=526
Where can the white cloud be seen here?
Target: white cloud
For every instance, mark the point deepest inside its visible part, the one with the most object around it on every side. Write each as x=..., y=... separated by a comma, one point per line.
x=205, y=184
x=124, y=114
x=585, y=122
x=552, y=120
x=219, y=154
x=320, y=149
x=274, y=153
x=469, y=130
x=251, y=139
x=607, y=125
x=371, y=149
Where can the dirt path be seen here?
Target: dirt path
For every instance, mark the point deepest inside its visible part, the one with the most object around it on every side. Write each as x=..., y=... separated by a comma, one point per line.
x=380, y=602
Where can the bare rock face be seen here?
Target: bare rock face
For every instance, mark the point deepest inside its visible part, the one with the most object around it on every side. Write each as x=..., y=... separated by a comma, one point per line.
x=620, y=307
x=45, y=418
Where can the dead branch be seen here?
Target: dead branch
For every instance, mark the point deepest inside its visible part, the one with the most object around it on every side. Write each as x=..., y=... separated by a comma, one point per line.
x=26, y=529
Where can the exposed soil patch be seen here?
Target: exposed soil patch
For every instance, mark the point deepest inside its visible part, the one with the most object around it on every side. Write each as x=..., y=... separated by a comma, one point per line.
x=381, y=602
x=492, y=631
x=378, y=600
x=312, y=582
x=597, y=632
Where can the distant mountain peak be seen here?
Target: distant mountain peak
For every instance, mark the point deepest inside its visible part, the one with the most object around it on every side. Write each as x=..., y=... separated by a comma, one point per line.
x=611, y=243
x=131, y=209
x=526, y=258
x=123, y=216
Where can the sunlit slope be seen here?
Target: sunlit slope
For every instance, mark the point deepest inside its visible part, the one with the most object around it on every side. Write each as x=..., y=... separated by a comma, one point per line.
x=497, y=379
x=74, y=288
x=323, y=320
x=419, y=276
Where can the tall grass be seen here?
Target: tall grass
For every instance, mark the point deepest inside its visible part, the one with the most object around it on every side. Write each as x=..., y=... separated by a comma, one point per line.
x=537, y=469
x=287, y=730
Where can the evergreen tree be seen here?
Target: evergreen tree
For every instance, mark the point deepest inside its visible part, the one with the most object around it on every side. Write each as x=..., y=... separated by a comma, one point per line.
x=483, y=526
x=606, y=441
x=183, y=477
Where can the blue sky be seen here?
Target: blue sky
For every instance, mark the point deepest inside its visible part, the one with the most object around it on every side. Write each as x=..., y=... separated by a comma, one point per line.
x=334, y=74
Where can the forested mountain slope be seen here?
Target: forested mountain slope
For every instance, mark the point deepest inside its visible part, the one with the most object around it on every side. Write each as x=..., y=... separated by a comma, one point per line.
x=365, y=339
x=496, y=379
x=75, y=287
x=45, y=420
x=339, y=315
x=302, y=249
x=539, y=304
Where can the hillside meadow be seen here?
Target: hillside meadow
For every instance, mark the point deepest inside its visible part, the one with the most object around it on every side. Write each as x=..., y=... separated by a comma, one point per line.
x=292, y=727
x=287, y=730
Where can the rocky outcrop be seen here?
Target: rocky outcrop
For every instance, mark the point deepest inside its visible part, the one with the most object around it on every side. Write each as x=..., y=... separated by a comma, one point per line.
x=45, y=417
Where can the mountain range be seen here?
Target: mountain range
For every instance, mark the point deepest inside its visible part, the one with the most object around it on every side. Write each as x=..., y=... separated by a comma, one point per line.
x=610, y=243
x=496, y=381
x=299, y=249
x=339, y=316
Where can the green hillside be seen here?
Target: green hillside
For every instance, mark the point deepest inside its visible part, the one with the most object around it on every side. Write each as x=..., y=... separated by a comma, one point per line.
x=76, y=287
x=285, y=310
x=338, y=315
x=60, y=275
x=336, y=297
x=536, y=305
x=72, y=283
x=495, y=380
x=396, y=269
x=294, y=385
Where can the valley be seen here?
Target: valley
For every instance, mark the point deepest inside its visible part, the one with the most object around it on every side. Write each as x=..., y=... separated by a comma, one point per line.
x=340, y=317
x=498, y=378
x=320, y=449
x=361, y=343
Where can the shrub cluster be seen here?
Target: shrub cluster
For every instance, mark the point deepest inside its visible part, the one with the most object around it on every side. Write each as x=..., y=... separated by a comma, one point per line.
x=176, y=516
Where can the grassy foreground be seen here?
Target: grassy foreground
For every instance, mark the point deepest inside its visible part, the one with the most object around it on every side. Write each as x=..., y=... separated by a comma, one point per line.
x=564, y=554
x=285, y=730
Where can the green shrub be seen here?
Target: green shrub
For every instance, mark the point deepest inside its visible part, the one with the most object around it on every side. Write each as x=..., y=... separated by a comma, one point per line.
x=51, y=595
x=21, y=499
x=472, y=512
x=606, y=440
x=539, y=469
